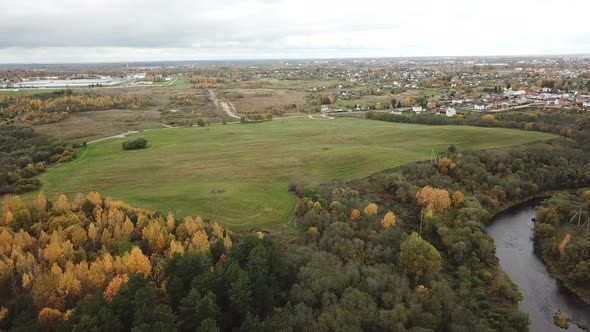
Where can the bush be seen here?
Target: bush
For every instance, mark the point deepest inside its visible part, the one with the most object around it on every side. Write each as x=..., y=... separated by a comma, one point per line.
x=135, y=144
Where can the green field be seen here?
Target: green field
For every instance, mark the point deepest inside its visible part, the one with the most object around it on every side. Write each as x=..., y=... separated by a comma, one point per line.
x=238, y=174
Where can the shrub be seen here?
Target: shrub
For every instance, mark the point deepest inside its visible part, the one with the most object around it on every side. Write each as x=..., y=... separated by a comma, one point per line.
x=135, y=144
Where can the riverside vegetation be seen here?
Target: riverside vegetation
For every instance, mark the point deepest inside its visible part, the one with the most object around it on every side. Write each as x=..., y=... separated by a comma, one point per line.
x=565, y=245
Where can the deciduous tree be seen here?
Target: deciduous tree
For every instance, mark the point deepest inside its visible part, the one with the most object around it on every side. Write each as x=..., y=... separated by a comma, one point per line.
x=114, y=285
x=420, y=259
x=435, y=200
x=355, y=215
x=388, y=220
x=137, y=263
x=371, y=209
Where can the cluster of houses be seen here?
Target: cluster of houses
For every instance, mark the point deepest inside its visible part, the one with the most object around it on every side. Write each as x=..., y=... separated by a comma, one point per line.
x=448, y=111
x=510, y=99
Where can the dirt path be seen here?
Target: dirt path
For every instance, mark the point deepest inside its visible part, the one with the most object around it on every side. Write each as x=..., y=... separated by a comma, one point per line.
x=123, y=135
x=321, y=117
x=226, y=106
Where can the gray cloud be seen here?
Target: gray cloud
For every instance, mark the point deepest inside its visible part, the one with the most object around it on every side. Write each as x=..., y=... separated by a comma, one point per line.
x=71, y=30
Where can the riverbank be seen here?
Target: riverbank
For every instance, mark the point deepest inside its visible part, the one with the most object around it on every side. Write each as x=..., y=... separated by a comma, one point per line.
x=563, y=246
x=543, y=295
x=582, y=294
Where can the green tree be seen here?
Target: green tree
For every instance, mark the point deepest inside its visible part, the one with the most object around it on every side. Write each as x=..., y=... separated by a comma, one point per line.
x=420, y=259
x=195, y=308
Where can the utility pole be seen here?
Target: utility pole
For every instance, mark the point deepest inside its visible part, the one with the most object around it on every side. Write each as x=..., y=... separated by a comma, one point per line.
x=421, y=220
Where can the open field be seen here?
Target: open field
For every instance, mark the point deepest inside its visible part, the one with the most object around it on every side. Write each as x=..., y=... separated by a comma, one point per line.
x=238, y=174
x=87, y=126
x=277, y=102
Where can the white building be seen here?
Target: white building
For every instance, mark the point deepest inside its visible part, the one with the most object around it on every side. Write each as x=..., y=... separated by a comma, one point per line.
x=451, y=112
x=479, y=107
x=417, y=108
x=509, y=92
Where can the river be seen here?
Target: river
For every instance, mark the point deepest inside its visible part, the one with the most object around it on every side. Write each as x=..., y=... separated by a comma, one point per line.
x=543, y=295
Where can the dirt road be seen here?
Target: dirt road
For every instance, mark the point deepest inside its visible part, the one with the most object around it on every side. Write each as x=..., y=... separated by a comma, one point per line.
x=226, y=106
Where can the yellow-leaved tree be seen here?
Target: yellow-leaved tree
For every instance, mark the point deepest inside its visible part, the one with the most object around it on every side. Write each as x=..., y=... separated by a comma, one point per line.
x=200, y=242
x=313, y=233
x=170, y=222
x=137, y=263
x=40, y=203
x=435, y=200
x=92, y=232
x=8, y=218
x=113, y=287
x=566, y=240
x=227, y=242
x=371, y=209
x=217, y=231
x=388, y=220
x=458, y=198
x=176, y=247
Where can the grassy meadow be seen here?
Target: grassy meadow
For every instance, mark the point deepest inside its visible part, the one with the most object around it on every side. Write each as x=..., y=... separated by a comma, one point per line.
x=238, y=174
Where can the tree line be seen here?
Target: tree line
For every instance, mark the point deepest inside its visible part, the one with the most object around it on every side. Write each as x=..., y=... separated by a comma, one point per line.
x=24, y=155
x=565, y=245
x=570, y=124
x=55, y=107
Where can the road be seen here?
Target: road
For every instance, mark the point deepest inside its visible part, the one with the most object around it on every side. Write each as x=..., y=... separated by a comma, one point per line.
x=226, y=106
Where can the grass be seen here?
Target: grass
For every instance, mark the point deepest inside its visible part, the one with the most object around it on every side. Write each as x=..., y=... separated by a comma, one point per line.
x=87, y=126
x=32, y=92
x=238, y=174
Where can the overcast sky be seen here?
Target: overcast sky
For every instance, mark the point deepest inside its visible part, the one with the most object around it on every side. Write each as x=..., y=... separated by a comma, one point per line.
x=139, y=30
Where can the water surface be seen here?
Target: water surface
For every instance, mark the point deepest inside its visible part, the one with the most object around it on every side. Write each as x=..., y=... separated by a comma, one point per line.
x=543, y=295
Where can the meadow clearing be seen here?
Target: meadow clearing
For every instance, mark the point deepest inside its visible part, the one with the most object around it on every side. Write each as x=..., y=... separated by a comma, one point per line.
x=238, y=174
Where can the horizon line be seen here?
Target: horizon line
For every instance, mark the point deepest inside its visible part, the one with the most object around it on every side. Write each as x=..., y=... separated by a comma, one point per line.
x=302, y=59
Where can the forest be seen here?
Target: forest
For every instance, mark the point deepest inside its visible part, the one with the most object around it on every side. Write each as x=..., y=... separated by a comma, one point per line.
x=25, y=154
x=562, y=235
x=56, y=106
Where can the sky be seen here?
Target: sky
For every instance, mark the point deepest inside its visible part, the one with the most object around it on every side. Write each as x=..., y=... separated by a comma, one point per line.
x=58, y=31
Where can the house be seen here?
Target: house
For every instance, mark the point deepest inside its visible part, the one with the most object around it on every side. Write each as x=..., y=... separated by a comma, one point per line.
x=477, y=107
x=586, y=104
x=417, y=108
x=450, y=112
x=324, y=108
x=509, y=92
x=457, y=102
x=504, y=105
